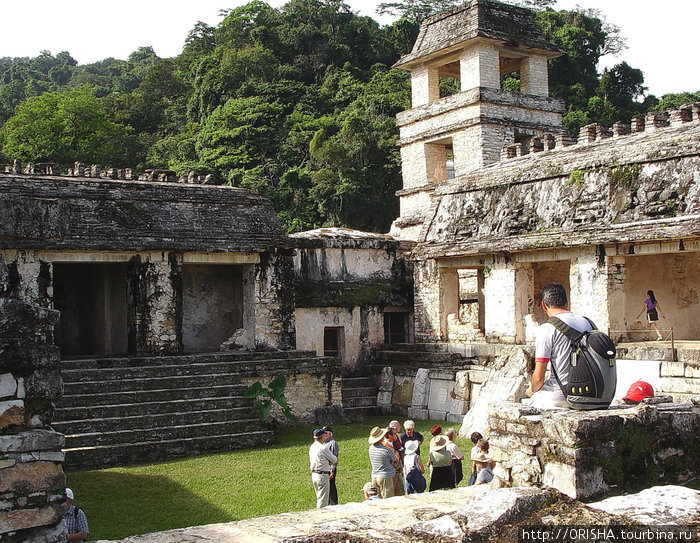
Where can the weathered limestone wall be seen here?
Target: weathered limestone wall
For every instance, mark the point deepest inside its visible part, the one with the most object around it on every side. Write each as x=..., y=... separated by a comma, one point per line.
x=633, y=188
x=32, y=482
x=586, y=453
x=426, y=277
x=311, y=384
x=348, y=279
x=273, y=302
x=363, y=329
x=68, y=213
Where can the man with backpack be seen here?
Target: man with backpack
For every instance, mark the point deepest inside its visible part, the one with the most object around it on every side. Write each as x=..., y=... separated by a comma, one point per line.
x=75, y=520
x=552, y=346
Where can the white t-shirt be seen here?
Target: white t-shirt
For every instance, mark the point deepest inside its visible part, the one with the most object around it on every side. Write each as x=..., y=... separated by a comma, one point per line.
x=553, y=346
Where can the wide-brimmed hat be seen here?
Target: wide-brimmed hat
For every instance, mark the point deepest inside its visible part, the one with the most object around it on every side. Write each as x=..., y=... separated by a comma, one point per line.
x=369, y=488
x=438, y=443
x=638, y=391
x=377, y=434
x=481, y=457
x=412, y=446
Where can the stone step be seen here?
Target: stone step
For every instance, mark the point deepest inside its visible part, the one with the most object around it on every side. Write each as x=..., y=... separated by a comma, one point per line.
x=106, y=397
x=144, y=384
x=148, y=451
x=355, y=382
x=186, y=360
x=69, y=412
x=360, y=401
x=156, y=434
x=359, y=392
x=419, y=356
x=116, y=423
x=175, y=370
x=417, y=347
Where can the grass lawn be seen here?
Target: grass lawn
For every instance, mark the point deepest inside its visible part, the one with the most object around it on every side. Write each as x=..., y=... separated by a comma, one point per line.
x=226, y=487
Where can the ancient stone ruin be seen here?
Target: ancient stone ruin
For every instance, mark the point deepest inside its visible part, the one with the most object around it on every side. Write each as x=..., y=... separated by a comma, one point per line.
x=163, y=281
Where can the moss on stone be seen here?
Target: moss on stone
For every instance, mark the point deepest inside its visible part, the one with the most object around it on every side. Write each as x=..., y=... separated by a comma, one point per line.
x=625, y=176
x=575, y=178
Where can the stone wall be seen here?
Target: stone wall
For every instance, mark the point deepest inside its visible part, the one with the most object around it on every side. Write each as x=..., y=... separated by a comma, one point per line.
x=32, y=482
x=585, y=454
x=50, y=212
x=348, y=280
x=310, y=385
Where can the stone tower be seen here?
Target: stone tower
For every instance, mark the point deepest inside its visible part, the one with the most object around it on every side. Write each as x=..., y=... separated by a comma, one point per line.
x=444, y=137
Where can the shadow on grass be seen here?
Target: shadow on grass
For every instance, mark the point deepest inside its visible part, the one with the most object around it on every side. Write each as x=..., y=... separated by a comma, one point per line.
x=114, y=504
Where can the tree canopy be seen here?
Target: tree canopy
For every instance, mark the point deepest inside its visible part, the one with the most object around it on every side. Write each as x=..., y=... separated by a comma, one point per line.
x=298, y=103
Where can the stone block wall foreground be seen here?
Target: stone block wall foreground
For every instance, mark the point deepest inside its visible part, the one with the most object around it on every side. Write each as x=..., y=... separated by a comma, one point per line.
x=32, y=482
x=585, y=454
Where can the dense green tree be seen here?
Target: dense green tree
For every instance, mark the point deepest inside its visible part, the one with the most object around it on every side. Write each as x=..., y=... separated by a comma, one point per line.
x=64, y=127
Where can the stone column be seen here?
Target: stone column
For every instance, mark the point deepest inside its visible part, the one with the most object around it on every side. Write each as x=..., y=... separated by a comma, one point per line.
x=426, y=304
x=419, y=402
x=449, y=298
x=524, y=299
x=32, y=482
x=534, y=78
x=479, y=67
x=588, y=280
x=155, y=312
x=499, y=302
x=425, y=85
x=274, y=300
x=617, y=298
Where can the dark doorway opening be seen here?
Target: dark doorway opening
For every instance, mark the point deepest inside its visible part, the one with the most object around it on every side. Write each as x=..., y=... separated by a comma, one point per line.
x=92, y=299
x=395, y=327
x=333, y=341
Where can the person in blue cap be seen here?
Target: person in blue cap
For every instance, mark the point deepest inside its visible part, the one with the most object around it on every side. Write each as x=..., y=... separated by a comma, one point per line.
x=320, y=461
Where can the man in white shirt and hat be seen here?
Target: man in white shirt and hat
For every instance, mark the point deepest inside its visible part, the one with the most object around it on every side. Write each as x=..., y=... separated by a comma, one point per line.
x=320, y=461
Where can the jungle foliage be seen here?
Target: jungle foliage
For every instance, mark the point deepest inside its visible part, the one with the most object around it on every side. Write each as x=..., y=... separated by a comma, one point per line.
x=297, y=103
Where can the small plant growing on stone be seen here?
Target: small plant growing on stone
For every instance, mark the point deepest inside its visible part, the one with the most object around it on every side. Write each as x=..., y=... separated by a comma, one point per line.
x=264, y=396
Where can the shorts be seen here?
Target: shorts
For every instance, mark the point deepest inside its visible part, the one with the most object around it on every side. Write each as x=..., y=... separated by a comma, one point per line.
x=652, y=316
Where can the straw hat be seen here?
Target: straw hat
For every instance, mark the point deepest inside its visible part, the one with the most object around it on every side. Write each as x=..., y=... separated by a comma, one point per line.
x=481, y=457
x=377, y=434
x=438, y=443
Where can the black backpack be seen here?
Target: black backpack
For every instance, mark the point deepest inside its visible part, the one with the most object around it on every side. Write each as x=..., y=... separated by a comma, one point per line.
x=592, y=371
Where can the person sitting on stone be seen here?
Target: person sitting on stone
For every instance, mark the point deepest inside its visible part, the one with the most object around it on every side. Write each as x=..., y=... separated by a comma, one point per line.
x=474, y=437
x=75, y=520
x=484, y=472
x=551, y=346
x=370, y=491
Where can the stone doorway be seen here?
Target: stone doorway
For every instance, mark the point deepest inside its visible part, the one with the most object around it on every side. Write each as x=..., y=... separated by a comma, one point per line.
x=92, y=299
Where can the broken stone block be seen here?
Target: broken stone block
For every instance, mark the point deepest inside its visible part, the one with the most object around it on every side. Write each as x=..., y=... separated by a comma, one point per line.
x=8, y=386
x=11, y=414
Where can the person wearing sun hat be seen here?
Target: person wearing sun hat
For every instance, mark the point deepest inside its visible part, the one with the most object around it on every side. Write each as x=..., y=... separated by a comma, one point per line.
x=384, y=461
x=440, y=460
x=637, y=392
x=484, y=474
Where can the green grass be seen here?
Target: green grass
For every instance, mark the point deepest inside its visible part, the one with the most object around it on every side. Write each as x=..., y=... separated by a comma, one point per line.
x=225, y=487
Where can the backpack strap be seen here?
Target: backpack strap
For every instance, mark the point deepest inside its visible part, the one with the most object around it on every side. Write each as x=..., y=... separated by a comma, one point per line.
x=573, y=335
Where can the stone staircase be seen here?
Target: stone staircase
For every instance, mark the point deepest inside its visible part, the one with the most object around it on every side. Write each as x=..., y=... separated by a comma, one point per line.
x=359, y=395
x=419, y=355
x=124, y=410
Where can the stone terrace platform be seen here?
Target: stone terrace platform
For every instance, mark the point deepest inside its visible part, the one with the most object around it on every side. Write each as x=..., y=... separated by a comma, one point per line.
x=586, y=454
x=477, y=513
